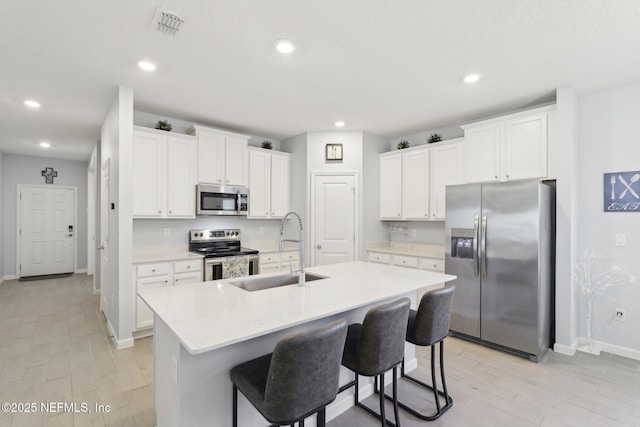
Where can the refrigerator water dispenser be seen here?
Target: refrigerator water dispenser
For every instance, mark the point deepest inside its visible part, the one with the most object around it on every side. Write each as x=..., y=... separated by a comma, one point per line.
x=462, y=243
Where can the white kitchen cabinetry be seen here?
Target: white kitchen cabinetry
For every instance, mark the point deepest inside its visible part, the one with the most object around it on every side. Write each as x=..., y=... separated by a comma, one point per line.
x=163, y=174
x=507, y=148
x=412, y=183
x=391, y=186
x=415, y=184
x=158, y=275
x=272, y=262
x=222, y=157
x=422, y=263
x=445, y=167
x=268, y=183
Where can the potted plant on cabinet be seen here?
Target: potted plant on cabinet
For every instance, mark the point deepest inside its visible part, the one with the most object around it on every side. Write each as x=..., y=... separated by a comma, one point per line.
x=435, y=137
x=403, y=144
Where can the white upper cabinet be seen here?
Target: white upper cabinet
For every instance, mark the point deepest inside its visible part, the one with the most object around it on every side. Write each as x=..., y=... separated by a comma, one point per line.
x=164, y=175
x=391, y=186
x=446, y=169
x=269, y=185
x=222, y=157
x=524, y=147
x=507, y=148
x=412, y=182
x=483, y=153
x=415, y=184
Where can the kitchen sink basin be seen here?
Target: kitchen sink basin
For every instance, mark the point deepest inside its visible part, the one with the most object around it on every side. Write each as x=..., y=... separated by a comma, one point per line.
x=261, y=283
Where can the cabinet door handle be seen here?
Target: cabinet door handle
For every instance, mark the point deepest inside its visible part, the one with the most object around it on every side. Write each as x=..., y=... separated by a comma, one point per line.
x=398, y=214
x=153, y=271
x=507, y=175
x=159, y=211
x=496, y=176
x=188, y=266
x=170, y=211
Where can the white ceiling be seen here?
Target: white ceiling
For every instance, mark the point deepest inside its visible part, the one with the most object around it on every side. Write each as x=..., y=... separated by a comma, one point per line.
x=390, y=68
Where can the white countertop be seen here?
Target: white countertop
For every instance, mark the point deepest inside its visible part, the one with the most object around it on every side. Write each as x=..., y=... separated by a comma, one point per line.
x=269, y=246
x=140, y=258
x=410, y=249
x=210, y=315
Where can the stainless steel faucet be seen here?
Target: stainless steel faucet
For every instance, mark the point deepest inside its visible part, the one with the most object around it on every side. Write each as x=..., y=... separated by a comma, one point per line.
x=300, y=243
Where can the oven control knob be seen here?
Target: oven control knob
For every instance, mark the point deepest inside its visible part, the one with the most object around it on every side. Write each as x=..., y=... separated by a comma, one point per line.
x=227, y=233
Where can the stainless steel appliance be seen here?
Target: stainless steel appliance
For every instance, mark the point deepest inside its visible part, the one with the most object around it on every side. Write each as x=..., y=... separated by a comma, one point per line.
x=221, y=200
x=500, y=242
x=216, y=246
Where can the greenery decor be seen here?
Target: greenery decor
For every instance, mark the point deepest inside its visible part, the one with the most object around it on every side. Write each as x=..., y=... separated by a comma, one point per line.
x=403, y=144
x=164, y=125
x=266, y=145
x=435, y=137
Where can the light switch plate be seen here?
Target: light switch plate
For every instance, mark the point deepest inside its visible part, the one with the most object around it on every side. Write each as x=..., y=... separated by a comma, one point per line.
x=621, y=240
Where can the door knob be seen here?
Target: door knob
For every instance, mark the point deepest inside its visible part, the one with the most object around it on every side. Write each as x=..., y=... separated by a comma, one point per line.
x=318, y=246
x=69, y=235
x=101, y=247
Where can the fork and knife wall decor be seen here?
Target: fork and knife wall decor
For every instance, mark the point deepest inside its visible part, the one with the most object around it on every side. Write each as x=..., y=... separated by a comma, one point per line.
x=621, y=192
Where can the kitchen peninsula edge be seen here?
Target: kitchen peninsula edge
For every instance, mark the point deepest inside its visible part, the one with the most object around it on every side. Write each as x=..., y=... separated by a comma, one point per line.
x=203, y=330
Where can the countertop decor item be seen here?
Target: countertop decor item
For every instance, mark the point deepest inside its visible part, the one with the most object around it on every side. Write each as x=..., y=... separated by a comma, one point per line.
x=435, y=137
x=164, y=125
x=266, y=145
x=403, y=144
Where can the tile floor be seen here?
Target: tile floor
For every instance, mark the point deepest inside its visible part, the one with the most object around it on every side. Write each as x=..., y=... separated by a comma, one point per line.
x=53, y=348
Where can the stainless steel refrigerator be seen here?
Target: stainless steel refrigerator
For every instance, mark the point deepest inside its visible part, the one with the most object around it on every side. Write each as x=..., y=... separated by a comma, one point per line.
x=500, y=242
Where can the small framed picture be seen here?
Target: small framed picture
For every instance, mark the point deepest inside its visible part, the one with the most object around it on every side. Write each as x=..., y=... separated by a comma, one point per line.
x=333, y=152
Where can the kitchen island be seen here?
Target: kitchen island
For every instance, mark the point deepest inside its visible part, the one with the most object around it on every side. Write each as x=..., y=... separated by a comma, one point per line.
x=202, y=330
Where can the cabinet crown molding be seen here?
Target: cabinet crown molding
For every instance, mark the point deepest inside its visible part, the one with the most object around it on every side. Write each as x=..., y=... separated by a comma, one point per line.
x=195, y=129
x=424, y=146
x=504, y=117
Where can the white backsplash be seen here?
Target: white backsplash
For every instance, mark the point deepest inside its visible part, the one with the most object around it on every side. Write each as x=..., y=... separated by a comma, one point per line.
x=150, y=233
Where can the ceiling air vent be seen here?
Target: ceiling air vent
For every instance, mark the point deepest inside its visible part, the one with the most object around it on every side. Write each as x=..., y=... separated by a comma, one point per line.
x=166, y=22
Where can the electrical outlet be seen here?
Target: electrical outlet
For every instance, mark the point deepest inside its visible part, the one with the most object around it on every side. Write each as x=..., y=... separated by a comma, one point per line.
x=260, y=230
x=621, y=240
x=413, y=232
x=621, y=314
x=167, y=232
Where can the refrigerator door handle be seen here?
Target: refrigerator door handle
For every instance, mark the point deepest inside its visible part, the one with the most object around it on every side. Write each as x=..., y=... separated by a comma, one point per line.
x=476, y=266
x=483, y=245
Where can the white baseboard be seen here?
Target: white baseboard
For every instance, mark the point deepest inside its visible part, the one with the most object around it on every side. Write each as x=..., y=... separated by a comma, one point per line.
x=96, y=291
x=9, y=277
x=565, y=349
x=596, y=347
x=120, y=344
x=81, y=271
x=617, y=350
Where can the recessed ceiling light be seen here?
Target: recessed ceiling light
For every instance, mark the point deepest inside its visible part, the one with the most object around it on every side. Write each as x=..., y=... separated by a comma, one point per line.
x=31, y=103
x=471, y=78
x=285, y=46
x=45, y=144
x=146, y=65
x=339, y=124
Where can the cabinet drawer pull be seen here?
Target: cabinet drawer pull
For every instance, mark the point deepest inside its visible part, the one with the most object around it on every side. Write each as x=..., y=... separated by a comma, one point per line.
x=153, y=271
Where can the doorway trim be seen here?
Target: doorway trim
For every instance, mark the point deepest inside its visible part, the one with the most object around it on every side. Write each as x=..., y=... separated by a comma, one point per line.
x=312, y=212
x=19, y=223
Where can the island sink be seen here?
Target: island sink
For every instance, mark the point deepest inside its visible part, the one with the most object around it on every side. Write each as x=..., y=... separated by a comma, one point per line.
x=262, y=283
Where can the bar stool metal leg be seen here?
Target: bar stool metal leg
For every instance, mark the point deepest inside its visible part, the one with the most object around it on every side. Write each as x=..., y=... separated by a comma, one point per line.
x=448, y=400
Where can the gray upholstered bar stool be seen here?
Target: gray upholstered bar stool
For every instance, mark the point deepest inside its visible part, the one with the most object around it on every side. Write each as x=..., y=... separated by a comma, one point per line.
x=297, y=380
x=375, y=346
x=427, y=327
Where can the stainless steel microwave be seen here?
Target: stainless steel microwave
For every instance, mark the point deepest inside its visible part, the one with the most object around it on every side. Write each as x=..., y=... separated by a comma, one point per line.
x=221, y=200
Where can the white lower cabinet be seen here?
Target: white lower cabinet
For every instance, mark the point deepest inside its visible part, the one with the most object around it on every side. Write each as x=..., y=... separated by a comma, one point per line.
x=273, y=262
x=158, y=275
x=422, y=263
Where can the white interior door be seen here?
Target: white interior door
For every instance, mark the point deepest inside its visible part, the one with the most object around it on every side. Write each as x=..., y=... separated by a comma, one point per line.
x=334, y=219
x=47, y=226
x=104, y=238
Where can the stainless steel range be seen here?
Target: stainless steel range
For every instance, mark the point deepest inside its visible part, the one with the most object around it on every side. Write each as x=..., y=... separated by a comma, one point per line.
x=219, y=248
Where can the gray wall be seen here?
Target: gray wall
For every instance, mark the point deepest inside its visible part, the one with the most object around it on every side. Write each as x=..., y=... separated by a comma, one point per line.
x=297, y=146
x=608, y=143
x=27, y=170
x=372, y=228
x=1, y=218
x=149, y=120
